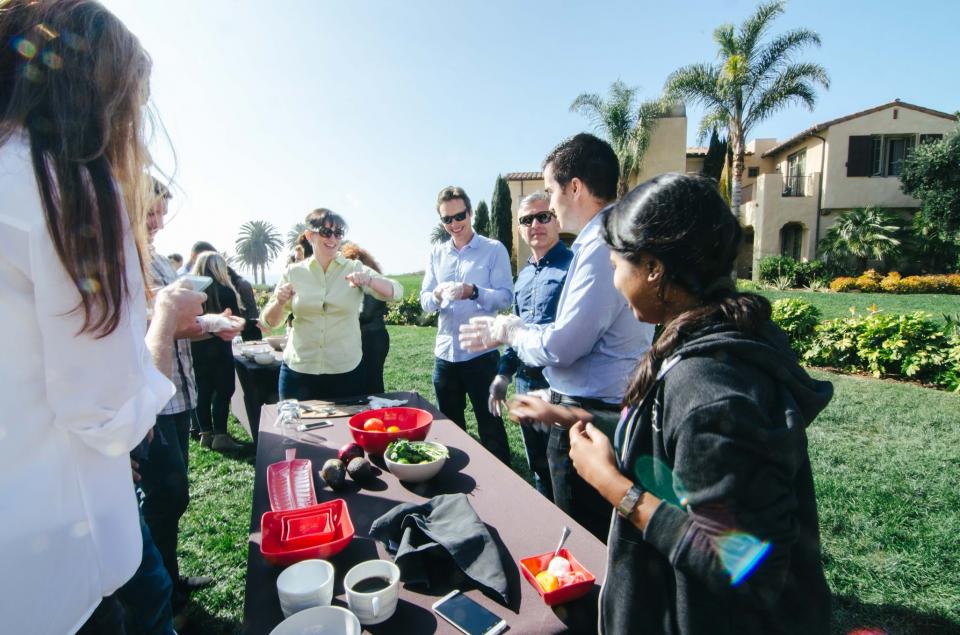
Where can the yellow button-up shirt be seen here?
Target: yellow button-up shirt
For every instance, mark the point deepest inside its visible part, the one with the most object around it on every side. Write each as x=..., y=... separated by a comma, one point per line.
x=325, y=338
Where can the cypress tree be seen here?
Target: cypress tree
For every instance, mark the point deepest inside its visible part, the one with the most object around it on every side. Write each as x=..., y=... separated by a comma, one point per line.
x=501, y=217
x=481, y=219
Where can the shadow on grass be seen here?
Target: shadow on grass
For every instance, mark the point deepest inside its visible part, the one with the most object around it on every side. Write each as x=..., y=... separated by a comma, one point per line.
x=200, y=622
x=850, y=613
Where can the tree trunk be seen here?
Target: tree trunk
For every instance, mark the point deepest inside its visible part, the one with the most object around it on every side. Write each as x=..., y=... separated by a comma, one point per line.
x=622, y=187
x=737, y=195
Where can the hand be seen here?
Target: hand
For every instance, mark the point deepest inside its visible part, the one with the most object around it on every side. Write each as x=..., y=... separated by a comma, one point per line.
x=463, y=290
x=526, y=409
x=438, y=291
x=237, y=323
x=477, y=335
x=592, y=454
x=182, y=304
x=498, y=394
x=284, y=293
x=359, y=279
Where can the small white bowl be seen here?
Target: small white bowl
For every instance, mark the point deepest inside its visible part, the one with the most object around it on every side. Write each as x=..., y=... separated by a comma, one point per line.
x=329, y=620
x=264, y=358
x=416, y=472
x=252, y=350
x=305, y=584
x=276, y=341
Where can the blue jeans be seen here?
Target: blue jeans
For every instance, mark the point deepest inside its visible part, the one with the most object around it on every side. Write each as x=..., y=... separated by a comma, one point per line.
x=304, y=386
x=535, y=441
x=166, y=492
x=453, y=381
x=146, y=596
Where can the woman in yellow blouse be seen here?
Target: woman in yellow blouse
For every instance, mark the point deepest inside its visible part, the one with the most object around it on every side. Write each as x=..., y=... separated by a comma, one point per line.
x=323, y=358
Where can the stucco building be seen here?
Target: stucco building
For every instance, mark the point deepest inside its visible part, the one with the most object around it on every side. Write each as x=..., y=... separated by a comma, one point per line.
x=794, y=190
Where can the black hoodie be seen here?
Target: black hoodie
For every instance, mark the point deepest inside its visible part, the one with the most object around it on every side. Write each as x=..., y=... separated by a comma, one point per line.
x=734, y=548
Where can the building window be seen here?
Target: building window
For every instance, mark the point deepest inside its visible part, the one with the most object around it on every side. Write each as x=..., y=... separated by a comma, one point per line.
x=876, y=156
x=887, y=152
x=897, y=150
x=795, y=183
x=930, y=138
x=791, y=239
x=753, y=173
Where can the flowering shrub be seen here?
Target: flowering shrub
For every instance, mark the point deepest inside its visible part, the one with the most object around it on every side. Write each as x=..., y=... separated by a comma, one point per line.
x=872, y=282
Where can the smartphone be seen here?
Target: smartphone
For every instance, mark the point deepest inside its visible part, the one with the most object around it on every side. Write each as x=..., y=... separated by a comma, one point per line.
x=468, y=616
x=313, y=425
x=199, y=283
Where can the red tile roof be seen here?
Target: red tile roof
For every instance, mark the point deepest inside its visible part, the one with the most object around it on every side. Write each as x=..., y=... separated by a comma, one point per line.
x=523, y=176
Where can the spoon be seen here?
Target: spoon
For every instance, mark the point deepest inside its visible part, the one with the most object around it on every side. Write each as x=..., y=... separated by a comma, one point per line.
x=563, y=538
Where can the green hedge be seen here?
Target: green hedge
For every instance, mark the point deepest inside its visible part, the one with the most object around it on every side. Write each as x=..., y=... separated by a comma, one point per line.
x=885, y=345
x=408, y=311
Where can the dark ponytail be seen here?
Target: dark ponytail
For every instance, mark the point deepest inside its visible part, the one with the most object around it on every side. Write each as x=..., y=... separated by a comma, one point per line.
x=682, y=221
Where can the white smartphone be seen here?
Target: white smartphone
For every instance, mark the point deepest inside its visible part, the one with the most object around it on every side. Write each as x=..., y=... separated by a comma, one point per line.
x=468, y=616
x=199, y=283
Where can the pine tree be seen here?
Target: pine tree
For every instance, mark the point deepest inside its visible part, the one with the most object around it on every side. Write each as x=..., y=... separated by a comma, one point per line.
x=501, y=217
x=481, y=219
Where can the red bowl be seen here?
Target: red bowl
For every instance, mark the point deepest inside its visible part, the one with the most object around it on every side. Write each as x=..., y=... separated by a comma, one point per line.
x=535, y=564
x=275, y=551
x=414, y=425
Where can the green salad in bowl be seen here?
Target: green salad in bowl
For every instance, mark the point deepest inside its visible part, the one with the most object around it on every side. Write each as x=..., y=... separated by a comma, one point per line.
x=415, y=461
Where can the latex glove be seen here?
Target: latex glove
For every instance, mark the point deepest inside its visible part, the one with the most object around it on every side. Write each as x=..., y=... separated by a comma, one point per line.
x=507, y=329
x=498, y=394
x=284, y=292
x=359, y=279
x=477, y=335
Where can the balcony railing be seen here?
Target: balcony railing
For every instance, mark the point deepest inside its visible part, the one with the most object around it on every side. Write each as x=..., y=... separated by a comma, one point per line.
x=797, y=185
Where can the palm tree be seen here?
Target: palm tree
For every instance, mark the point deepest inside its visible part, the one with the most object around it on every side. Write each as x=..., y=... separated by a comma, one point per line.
x=867, y=233
x=626, y=124
x=750, y=81
x=294, y=233
x=258, y=244
x=438, y=234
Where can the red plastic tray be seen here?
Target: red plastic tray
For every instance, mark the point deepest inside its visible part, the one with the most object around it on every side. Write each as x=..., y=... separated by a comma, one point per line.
x=414, y=425
x=290, y=484
x=271, y=532
x=535, y=564
x=306, y=530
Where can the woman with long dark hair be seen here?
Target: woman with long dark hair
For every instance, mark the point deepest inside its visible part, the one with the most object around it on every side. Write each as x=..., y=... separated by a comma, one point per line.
x=374, y=338
x=213, y=357
x=715, y=529
x=81, y=386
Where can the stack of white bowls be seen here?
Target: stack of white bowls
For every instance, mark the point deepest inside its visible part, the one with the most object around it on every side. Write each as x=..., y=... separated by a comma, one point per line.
x=304, y=585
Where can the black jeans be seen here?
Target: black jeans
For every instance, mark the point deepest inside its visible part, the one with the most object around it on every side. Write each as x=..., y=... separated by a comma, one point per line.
x=164, y=485
x=453, y=381
x=376, y=345
x=571, y=493
x=106, y=619
x=303, y=386
x=213, y=369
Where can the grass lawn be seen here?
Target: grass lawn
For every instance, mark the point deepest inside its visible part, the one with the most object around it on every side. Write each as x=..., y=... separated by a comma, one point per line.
x=834, y=305
x=886, y=458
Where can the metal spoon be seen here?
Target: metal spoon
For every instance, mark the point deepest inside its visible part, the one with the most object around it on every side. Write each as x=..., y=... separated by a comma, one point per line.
x=563, y=538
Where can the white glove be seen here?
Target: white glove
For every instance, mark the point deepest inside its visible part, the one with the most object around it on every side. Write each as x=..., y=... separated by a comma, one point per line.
x=483, y=332
x=359, y=278
x=215, y=322
x=498, y=394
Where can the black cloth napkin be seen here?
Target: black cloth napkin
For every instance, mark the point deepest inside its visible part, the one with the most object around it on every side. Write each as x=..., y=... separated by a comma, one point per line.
x=440, y=539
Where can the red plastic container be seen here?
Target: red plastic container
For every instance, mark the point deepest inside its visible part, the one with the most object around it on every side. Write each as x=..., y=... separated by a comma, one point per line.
x=271, y=534
x=535, y=564
x=306, y=530
x=414, y=425
x=290, y=484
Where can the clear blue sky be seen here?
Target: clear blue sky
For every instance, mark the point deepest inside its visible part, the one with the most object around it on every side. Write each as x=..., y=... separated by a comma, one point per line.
x=369, y=108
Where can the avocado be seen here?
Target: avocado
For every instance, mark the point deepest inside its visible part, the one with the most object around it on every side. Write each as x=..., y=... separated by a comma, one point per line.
x=333, y=473
x=359, y=469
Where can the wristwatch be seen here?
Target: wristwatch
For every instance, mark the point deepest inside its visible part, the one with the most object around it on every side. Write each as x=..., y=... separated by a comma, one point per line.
x=629, y=501
x=476, y=292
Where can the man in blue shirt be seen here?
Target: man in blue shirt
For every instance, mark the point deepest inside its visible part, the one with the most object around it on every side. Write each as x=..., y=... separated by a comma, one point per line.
x=467, y=276
x=592, y=348
x=536, y=294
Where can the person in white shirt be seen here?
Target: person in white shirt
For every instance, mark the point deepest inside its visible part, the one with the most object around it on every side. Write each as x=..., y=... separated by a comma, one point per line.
x=81, y=385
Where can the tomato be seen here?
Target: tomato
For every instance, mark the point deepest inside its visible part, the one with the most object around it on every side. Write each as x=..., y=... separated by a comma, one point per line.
x=373, y=425
x=393, y=429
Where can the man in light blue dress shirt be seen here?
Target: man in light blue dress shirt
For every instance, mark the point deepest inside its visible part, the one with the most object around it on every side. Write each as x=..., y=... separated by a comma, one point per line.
x=467, y=276
x=592, y=348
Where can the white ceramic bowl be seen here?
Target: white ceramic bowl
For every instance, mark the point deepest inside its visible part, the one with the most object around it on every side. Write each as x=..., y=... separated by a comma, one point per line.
x=252, y=350
x=329, y=620
x=416, y=472
x=276, y=341
x=264, y=358
x=305, y=584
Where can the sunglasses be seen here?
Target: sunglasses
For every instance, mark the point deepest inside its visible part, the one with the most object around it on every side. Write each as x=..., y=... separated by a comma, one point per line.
x=543, y=218
x=326, y=232
x=446, y=220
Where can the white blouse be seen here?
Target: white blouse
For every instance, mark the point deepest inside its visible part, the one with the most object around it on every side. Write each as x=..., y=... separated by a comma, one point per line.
x=71, y=408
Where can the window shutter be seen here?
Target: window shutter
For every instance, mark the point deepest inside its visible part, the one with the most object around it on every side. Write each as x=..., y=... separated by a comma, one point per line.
x=859, y=154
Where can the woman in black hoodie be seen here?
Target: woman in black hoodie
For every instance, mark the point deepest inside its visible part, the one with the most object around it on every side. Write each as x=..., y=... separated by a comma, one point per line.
x=715, y=529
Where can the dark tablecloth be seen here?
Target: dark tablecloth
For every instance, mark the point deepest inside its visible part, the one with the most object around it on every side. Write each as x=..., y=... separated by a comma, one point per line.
x=259, y=385
x=523, y=521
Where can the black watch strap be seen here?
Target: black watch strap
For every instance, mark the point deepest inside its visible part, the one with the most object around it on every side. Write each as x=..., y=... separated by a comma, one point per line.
x=476, y=292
